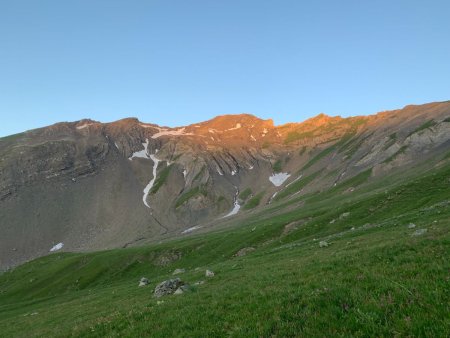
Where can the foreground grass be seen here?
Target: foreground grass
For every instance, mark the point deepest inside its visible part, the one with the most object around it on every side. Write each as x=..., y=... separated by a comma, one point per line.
x=374, y=279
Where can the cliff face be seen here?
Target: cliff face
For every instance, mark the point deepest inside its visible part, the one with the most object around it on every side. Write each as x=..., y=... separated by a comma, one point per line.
x=91, y=185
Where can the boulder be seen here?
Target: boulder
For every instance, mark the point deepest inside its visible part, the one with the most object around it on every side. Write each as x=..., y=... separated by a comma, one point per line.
x=182, y=289
x=167, y=258
x=167, y=287
x=209, y=273
x=179, y=291
x=144, y=281
x=323, y=244
x=419, y=232
x=178, y=271
x=411, y=226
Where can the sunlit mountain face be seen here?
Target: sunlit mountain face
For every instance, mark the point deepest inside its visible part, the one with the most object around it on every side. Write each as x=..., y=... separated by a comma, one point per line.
x=88, y=185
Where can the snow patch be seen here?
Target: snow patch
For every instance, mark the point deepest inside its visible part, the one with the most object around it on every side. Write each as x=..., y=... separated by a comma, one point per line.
x=251, y=167
x=272, y=197
x=152, y=182
x=146, y=125
x=57, y=247
x=85, y=125
x=166, y=132
x=141, y=153
x=278, y=179
x=220, y=173
x=253, y=138
x=238, y=126
x=265, y=131
x=191, y=229
x=287, y=185
x=184, y=173
x=236, y=206
x=116, y=145
x=234, y=211
x=233, y=172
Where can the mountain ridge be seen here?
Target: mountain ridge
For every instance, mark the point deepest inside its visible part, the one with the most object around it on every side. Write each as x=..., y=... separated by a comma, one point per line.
x=93, y=185
x=236, y=115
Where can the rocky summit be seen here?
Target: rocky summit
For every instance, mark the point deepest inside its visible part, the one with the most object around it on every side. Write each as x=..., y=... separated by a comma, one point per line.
x=86, y=185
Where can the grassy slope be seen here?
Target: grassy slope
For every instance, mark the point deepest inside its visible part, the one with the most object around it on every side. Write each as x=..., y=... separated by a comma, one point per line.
x=254, y=201
x=373, y=280
x=161, y=179
x=189, y=194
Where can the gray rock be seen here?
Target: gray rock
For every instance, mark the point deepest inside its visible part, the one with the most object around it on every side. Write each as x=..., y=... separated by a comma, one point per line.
x=419, y=232
x=200, y=282
x=167, y=287
x=209, y=273
x=344, y=215
x=178, y=271
x=179, y=291
x=244, y=251
x=144, y=281
x=368, y=226
x=167, y=258
x=182, y=289
x=411, y=226
x=323, y=244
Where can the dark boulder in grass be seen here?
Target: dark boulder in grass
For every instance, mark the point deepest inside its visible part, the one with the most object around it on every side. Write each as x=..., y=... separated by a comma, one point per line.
x=168, y=287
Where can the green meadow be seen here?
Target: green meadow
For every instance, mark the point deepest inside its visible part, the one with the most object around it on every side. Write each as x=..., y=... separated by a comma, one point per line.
x=384, y=271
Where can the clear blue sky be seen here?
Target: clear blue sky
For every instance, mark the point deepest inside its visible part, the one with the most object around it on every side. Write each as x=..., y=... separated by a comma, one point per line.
x=179, y=62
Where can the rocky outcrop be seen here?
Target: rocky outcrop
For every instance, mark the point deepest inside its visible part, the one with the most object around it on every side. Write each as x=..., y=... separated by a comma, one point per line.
x=244, y=251
x=168, y=287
